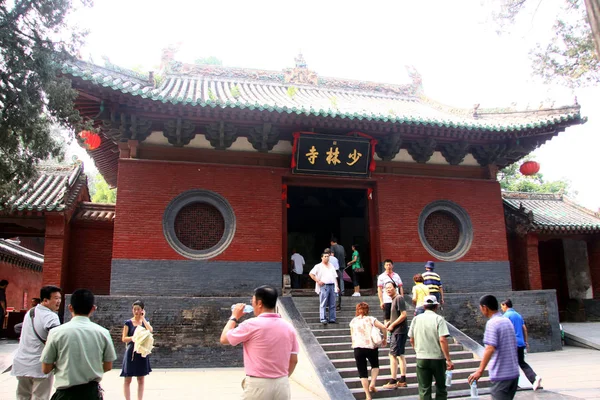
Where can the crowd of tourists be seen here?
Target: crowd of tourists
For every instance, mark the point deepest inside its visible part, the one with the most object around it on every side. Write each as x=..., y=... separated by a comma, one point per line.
x=75, y=355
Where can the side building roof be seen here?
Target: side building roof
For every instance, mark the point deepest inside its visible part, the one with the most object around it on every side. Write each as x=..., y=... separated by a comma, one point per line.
x=55, y=189
x=548, y=213
x=12, y=253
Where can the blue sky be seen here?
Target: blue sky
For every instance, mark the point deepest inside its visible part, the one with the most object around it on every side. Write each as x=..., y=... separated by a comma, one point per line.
x=453, y=44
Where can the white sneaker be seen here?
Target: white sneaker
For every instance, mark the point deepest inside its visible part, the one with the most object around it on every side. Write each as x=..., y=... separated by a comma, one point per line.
x=355, y=294
x=537, y=383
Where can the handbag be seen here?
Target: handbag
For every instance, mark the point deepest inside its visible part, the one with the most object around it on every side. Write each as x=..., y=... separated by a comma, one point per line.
x=376, y=337
x=359, y=270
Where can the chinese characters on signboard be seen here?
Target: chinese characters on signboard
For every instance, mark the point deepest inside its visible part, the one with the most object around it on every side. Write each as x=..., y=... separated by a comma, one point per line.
x=332, y=155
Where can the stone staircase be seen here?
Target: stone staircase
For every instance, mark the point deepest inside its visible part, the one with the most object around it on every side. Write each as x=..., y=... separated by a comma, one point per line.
x=336, y=342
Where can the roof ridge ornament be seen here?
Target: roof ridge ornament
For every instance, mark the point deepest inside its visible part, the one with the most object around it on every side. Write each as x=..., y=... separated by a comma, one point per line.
x=300, y=74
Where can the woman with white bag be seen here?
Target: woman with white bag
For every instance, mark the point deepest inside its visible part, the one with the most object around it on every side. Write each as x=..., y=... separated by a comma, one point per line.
x=367, y=335
x=137, y=333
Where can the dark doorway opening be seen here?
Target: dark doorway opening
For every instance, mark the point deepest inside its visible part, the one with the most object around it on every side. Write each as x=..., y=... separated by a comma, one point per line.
x=554, y=276
x=317, y=214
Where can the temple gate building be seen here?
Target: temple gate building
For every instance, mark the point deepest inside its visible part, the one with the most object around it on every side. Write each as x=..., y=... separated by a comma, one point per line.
x=222, y=171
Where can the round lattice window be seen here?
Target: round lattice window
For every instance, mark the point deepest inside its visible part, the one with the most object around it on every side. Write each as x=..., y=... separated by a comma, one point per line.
x=199, y=224
x=442, y=231
x=445, y=230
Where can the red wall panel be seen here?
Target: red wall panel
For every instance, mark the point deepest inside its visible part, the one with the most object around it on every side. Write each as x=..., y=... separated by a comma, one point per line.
x=20, y=280
x=146, y=188
x=90, y=256
x=400, y=201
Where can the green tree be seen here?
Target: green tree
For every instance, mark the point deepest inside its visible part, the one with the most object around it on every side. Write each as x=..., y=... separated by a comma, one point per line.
x=513, y=181
x=570, y=55
x=34, y=41
x=100, y=192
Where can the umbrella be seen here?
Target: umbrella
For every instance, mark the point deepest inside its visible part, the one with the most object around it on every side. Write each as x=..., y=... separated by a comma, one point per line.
x=143, y=341
x=346, y=277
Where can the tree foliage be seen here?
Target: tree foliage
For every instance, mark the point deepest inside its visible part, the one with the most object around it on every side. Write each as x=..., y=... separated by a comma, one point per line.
x=513, y=181
x=100, y=192
x=569, y=56
x=34, y=41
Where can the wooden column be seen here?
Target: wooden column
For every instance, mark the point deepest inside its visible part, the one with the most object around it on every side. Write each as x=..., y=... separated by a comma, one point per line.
x=56, y=252
x=534, y=272
x=594, y=261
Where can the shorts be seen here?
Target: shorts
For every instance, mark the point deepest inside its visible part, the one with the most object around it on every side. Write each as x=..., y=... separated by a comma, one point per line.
x=398, y=344
x=387, y=311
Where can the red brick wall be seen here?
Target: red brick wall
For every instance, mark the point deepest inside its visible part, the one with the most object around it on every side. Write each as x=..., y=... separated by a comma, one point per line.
x=90, y=256
x=401, y=200
x=19, y=280
x=146, y=188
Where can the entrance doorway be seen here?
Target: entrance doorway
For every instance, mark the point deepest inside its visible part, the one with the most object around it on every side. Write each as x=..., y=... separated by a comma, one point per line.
x=552, y=263
x=316, y=214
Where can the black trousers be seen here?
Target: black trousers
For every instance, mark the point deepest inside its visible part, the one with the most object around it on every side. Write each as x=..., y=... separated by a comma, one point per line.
x=361, y=355
x=87, y=391
x=529, y=372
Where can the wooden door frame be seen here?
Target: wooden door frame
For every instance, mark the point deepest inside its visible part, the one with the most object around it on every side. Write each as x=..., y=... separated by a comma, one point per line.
x=335, y=183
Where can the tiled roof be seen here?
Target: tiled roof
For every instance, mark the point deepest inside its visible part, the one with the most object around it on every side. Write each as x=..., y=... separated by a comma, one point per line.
x=87, y=211
x=55, y=189
x=13, y=253
x=553, y=212
x=223, y=87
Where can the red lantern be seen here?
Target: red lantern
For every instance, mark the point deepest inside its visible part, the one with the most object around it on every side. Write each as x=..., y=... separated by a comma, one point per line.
x=529, y=168
x=91, y=140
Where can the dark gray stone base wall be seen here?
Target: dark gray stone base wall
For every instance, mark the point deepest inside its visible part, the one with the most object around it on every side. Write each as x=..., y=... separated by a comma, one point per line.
x=186, y=329
x=191, y=277
x=537, y=307
x=461, y=276
x=592, y=309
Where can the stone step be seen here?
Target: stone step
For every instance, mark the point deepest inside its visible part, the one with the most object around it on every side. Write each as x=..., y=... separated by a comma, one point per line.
x=347, y=346
x=459, y=385
x=346, y=339
x=341, y=359
x=411, y=378
x=351, y=372
x=341, y=318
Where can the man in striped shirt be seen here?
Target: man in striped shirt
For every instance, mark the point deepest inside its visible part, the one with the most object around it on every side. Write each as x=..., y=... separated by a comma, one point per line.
x=500, y=351
x=433, y=282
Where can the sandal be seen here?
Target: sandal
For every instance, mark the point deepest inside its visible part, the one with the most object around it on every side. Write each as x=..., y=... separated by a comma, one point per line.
x=372, y=389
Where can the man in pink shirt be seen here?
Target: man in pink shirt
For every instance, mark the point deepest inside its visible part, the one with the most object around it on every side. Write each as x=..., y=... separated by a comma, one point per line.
x=270, y=347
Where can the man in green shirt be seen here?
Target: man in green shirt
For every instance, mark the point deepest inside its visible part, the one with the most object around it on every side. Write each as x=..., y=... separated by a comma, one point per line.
x=79, y=352
x=427, y=333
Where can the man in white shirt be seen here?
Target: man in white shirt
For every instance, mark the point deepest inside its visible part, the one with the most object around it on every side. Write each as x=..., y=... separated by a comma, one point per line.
x=33, y=384
x=336, y=264
x=385, y=301
x=326, y=278
x=297, y=269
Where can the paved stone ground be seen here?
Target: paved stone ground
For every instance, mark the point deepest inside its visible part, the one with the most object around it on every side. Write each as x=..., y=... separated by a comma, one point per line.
x=573, y=373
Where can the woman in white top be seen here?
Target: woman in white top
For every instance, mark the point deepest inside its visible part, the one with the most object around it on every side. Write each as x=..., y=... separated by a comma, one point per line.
x=364, y=348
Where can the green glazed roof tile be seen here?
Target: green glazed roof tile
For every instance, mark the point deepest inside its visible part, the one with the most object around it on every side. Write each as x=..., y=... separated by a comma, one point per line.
x=268, y=91
x=553, y=210
x=53, y=190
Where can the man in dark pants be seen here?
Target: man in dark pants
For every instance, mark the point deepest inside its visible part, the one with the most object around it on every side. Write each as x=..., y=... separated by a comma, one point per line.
x=522, y=344
x=428, y=336
x=500, y=352
x=339, y=253
x=79, y=352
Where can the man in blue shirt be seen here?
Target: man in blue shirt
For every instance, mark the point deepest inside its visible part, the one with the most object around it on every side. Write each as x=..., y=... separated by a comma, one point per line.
x=521, y=334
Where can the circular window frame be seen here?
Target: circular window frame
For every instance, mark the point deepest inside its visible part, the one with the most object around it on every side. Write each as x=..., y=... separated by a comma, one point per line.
x=464, y=225
x=199, y=196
